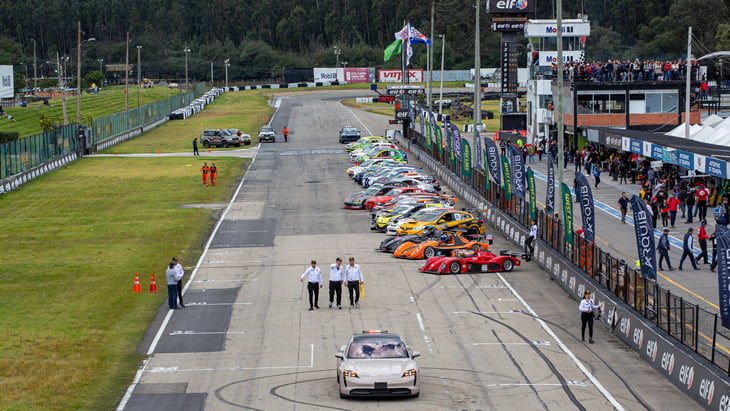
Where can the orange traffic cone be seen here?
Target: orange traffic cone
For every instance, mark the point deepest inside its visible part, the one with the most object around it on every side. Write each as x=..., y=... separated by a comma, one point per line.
x=158, y=151
x=137, y=288
x=116, y=153
x=153, y=284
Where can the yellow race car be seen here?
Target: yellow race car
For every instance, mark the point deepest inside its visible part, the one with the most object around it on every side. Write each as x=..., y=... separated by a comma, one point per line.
x=442, y=219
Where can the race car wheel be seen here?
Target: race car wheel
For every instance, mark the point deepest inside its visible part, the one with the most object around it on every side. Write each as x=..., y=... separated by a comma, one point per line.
x=429, y=252
x=472, y=231
x=454, y=267
x=206, y=144
x=507, y=265
x=225, y=144
x=476, y=248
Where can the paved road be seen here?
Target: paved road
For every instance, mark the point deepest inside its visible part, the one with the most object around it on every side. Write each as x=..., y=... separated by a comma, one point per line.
x=247, y=341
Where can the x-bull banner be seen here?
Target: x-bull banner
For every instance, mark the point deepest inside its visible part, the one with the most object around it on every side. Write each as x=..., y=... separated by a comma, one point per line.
x=492, y=153
x=567, y=212
x=722, y=236
x=587, y=210
x=645, y=238
x=465, y=159
x=507, y=177
x=531, y=193
x=456, y=139
x=518, y=171
x=550, y=200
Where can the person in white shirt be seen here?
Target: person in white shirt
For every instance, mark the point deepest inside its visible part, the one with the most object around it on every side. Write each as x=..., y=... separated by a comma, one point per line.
x=336, y=281
x=530, y=242
x=586, y=308
x=314, y=283
x=353, y=275
x=171, y=277
x=180, y=273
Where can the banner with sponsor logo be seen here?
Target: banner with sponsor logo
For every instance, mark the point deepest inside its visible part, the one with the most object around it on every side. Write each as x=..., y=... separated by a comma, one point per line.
x=507, y=174
x=456, y=140
x=518, y=171
x=479, y=156
x=394, y=76
x=722, y=236
x=465, y=159
x=587, y=210
x=567, y=212
x=428, y=130
x=550, y=200
x=644, y=237
x=531, y=193
x=356, y=75
x=7, y=85
x=439, y=138
x=492, y=153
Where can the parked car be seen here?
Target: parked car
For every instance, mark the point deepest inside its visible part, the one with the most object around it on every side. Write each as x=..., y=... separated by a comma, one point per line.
x=219, y=138
x=349, y=133
x=267, y=133
x=243, y=137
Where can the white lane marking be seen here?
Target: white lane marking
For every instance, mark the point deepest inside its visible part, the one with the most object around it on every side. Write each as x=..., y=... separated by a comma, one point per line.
x=422, y=326
x=420, y=322
x=190, y=332
x=517, y=343
x=507, y=299
x=168, y=316
x=578, y=383
x=283, y=367
x=563, y=347
x=413, y=300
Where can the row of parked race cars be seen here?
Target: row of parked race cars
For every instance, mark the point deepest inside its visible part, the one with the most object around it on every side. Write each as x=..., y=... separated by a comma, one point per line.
x=421, y=222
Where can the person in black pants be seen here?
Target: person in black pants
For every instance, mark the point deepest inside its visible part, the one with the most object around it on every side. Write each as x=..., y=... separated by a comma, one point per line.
x=314, y=283
x=687, y=249
x=336, y=281
x=180, y=273
x=586, y=316
x=353, y=275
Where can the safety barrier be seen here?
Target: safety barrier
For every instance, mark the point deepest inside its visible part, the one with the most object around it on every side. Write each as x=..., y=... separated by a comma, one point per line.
x=648, y=317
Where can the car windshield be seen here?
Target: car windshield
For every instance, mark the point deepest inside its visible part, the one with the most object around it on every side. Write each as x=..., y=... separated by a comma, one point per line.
x=371, y=191
x=376, y=347
x=267, y=129
x=225, y=133
x=349, y=130
x=401, y=209
x=427, y=215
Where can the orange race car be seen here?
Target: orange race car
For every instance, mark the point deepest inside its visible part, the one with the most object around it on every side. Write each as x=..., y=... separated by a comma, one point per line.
x=444, y=246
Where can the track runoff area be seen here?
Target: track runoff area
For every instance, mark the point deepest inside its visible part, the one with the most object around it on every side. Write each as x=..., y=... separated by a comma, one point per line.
x=248, y=341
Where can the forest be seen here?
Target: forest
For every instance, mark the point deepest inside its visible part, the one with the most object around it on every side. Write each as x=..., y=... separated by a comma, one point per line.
x=259, y=38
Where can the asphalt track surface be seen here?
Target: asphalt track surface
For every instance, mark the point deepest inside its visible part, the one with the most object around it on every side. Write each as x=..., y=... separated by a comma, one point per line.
x=247, y=340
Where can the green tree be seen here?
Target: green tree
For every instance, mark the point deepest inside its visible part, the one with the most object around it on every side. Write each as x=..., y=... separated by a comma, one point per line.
x=94, y=77
x=722, y=37
x=19, y=81
x=10, y=52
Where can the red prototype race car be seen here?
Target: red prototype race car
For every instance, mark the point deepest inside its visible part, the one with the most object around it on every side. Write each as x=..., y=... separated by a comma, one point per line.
x=473, y=262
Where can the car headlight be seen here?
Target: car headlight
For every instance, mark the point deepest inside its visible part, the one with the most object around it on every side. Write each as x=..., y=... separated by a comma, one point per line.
x=353, y=374
x=409, y=373
x=357, y=200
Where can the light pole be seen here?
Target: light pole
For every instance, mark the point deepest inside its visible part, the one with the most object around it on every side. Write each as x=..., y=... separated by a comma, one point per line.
x=64, y=59
x=228, y=63
x=139, y=66
x=187, y=85
x=441, y=92
x=101, y=61
x=211, y=74
x=35, y=69
x=78, y=71
x=337, y=60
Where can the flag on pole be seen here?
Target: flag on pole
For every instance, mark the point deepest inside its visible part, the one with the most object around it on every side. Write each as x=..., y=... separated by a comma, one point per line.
x=567, y=212
x=410, y=35
x=550, y=200
x=722, y=236
x=644, y=231
x=393, y=48
x=587, y=208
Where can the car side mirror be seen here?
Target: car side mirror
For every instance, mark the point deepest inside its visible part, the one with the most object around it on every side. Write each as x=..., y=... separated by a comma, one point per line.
x=339, y=355
x=416, y=354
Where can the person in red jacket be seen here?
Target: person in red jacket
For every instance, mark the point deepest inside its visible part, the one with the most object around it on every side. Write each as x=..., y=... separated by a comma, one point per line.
x=702, y=236
x=702, y=195
x=673, y=203
x=213, y=173
x=205, y=170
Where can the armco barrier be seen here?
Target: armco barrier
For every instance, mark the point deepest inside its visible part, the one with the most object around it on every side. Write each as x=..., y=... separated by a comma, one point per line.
x=687, y=370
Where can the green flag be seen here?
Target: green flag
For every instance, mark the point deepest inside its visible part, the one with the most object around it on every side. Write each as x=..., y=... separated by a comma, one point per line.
x=567, y=212
x=394, y=48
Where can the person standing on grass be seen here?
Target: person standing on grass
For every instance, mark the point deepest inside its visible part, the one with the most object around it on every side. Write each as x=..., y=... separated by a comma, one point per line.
x=213, y=173
x=171, y=276
x=195, y=147
x=205, y=170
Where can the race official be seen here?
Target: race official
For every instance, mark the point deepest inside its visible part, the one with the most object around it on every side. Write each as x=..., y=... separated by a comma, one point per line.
x=337, y=278
x=171, y=276
x=314, y=283
x=180, y=272
x=353, y=275
x=586, y=308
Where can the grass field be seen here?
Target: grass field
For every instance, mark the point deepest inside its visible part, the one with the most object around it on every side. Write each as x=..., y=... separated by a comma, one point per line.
x=109, y=100
x=74, y=240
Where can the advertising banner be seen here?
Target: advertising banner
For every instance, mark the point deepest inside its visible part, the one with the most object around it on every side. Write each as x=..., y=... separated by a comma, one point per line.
x=567, y=212
x=7, y=88
x=507, y=177
x=722, y=236
x=587, y=210
x=394, y=76
x=571, y=28
x=511, y=6
x=439, y=138
x=518, y=171
x=456, y=140
x=531, y=193
x=492, y=154
x=465, y=159
x=356, y=75
x=432, y=120
x=644, y=237
x=325, y=74
x=548, y=58
x=480, y=155
x=550, y=200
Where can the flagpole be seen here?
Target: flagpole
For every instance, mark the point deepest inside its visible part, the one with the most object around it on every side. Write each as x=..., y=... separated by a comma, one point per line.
x=477, y=72
x=559, y=105
x=430, y=61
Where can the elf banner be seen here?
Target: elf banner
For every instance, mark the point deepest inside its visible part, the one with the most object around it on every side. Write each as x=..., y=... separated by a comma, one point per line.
x=550, y=200
x=645, y=238
x=517, y=167
x=531, y=193
x=507, y=177
x=722, y=236
x=465, y=159
x=493, y=161
x=567, y=212
x=587, y=210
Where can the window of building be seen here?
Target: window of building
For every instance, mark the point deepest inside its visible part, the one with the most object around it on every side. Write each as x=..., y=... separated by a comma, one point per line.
x=602, y=103
x=662, y=101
